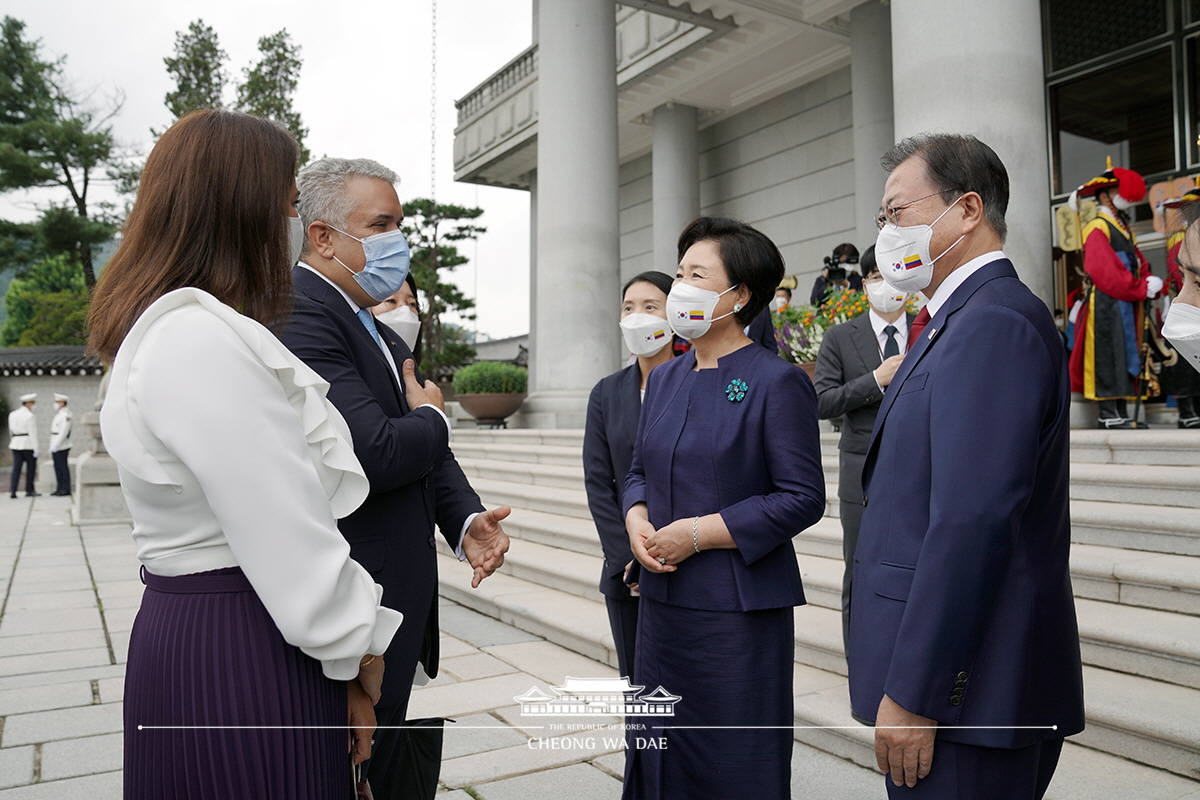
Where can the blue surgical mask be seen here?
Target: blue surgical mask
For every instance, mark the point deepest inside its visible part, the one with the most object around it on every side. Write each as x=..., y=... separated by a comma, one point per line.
x=387, y=263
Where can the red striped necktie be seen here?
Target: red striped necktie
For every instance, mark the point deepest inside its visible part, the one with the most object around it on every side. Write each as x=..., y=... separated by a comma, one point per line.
x=918, y=326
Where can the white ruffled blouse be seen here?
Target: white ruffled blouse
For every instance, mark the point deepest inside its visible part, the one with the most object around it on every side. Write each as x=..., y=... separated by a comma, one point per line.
x=229, y=455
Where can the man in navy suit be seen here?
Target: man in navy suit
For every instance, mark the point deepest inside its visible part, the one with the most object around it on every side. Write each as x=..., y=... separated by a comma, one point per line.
x=962, y=625
x=400, y=430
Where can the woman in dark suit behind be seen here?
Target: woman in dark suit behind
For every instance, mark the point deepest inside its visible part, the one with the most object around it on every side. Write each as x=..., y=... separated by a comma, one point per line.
x=612, y=422
x=726, y=470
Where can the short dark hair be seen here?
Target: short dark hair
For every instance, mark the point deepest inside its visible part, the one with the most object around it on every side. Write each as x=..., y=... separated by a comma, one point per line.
x=779, y=289
x=1189, y=212
x=956, y=164
x=845, y=249
x=867, y=263
x=749, y=257
x=660, y=280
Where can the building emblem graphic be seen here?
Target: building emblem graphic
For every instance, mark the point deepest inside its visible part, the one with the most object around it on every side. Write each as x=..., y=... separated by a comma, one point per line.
x=585, y=696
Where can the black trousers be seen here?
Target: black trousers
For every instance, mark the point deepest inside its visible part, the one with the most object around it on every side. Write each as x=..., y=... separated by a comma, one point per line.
x=963, y=771
x=622, y=618
x=62, y=473
x=851, y=513
x=22, y=457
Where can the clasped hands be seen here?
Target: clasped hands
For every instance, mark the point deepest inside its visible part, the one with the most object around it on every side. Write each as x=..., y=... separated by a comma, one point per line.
x=672, y=543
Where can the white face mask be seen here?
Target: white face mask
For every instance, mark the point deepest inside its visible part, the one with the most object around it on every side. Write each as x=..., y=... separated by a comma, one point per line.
x=690, y=309
x=405, y=322
x=884, y=298
x=645, y=334
x=1182, y=329
x=779, y=304
x=1120, y=203
x=902, y=254
x=297, y=234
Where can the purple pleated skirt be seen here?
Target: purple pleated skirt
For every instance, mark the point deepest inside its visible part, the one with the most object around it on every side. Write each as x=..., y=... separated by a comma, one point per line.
x=204, y=658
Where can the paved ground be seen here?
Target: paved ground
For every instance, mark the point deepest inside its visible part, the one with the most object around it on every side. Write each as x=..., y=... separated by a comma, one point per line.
x=68, y=596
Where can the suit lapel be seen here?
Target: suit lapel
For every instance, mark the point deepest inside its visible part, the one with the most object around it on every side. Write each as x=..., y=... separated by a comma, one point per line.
x=863, y=336
x=629, y=396
x=1000, y=268
x=319, y=290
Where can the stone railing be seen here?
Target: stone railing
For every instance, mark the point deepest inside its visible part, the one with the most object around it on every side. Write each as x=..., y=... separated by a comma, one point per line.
x=504, y=79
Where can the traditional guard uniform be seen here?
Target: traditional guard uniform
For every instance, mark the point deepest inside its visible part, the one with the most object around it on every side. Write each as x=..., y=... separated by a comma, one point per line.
x=1178, y=378
x=23, y=427
x=60, y=446
x=1105, y=360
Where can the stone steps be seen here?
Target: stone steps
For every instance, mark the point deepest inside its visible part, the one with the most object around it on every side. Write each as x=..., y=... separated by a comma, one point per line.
x=1135, y=569
x=1129, y=716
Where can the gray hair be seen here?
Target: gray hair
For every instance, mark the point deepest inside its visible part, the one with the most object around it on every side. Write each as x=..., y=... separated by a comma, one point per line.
x=957, y=164
x=322, y=188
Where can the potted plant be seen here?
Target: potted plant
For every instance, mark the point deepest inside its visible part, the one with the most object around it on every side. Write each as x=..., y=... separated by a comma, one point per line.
x=490, y=391
x=799, y=330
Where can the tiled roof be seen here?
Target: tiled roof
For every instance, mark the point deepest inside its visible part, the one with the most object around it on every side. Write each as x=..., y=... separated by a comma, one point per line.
x=62, y=359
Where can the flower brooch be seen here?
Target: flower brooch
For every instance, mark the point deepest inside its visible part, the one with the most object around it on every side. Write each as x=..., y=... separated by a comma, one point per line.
x=736, y=390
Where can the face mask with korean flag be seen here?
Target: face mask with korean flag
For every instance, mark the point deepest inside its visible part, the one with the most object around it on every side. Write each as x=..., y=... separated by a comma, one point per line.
x=645, y=334
x=690, y=309
x=902, y=254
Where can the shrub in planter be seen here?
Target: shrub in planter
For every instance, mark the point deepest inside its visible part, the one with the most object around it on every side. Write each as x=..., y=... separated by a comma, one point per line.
x=491, y=377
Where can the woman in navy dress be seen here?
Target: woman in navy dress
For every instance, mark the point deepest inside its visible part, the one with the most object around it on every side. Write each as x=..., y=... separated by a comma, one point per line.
x=612, y=421
x=726, y=470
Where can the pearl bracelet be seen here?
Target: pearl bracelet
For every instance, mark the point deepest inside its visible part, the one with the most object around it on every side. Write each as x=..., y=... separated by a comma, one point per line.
x=695, y=538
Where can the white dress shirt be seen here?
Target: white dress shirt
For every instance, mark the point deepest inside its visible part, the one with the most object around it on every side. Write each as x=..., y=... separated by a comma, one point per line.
x=878, y=323
x=229, y=454
x=958, y=277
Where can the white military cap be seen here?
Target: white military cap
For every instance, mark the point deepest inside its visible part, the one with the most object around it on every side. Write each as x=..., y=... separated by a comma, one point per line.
x=25, y=398
x=61, y=397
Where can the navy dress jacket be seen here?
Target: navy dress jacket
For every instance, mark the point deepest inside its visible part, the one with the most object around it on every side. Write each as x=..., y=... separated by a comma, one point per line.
x=962, y=608
x=415, y=481
x=763, y=474
x=612, y=423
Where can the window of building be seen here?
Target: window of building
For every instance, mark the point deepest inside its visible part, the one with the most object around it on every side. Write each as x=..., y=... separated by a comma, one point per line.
x=1080, y=30
x=1126, y=111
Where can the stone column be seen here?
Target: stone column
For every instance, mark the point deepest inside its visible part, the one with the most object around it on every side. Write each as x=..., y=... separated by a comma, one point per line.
x=871, y=100
x=675, y=182
x=98, y=499
x=574, y=337
x=975, y=66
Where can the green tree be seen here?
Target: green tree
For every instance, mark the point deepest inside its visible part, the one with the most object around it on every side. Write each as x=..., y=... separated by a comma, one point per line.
x=50, y=138
x=46, y=306
x=431, y=228
x=198, y=68
x=270, y=84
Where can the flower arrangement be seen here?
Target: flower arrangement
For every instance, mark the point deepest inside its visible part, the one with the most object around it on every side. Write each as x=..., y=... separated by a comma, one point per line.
x=799, y=330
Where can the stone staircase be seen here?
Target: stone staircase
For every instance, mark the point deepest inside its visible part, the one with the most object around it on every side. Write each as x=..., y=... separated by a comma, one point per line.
x=1135, y=566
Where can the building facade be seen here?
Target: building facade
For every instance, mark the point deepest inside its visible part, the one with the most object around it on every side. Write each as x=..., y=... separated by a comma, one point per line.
x=777, y=111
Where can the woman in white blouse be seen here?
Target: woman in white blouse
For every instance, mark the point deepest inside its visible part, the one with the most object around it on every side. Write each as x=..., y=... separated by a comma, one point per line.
x=252, y=649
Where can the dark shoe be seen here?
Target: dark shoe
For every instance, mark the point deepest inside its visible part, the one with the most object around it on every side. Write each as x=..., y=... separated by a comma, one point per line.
x=33, y=494
x=1189, y=422
x=13, y=495
x=1115, y=424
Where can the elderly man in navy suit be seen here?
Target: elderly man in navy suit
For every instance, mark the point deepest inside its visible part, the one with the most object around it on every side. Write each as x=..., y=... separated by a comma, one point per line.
x=964, y=647
x=354, y=257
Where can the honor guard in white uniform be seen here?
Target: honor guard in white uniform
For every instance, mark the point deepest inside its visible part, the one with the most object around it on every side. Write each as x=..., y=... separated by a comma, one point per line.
x=60, y=445
x=23, y=427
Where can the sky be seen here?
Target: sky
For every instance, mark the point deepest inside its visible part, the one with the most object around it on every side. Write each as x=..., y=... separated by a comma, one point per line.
x=365, y=91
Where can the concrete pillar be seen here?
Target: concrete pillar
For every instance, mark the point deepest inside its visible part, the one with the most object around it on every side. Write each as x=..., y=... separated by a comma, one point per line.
x=962, y=67
x=675, y=182
x=871, y=100
x=575, y=337
x=533, y=235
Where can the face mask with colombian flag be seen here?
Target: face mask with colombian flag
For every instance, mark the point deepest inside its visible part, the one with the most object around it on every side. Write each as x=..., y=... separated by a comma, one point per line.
x=902, y=254
x=645, y=334
x=690, y=309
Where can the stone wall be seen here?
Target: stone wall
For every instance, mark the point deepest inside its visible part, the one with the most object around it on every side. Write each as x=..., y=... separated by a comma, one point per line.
x=786, y=167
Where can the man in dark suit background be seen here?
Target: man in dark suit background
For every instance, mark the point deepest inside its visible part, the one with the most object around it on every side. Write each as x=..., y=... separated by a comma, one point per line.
x=400, y=430
x=855, y=364
x=962, y=627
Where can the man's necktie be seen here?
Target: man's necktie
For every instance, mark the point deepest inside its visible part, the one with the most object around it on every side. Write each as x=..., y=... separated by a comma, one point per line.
x=918, y=326
x=892, y=348
x=368, y=321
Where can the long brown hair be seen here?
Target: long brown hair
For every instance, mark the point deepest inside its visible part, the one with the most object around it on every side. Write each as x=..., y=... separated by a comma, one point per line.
x=210, y=213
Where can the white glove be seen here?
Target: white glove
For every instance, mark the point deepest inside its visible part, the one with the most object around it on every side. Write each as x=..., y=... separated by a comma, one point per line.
x=37, y=453
x=1154, y=285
